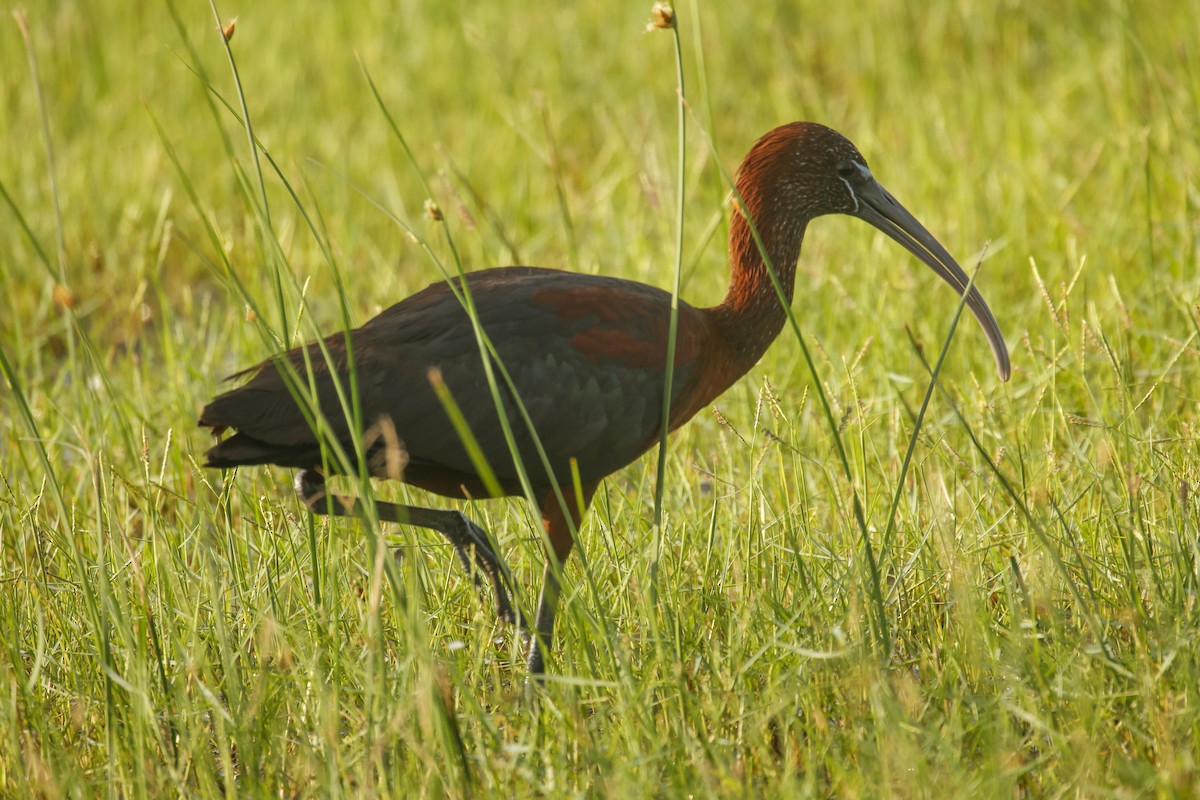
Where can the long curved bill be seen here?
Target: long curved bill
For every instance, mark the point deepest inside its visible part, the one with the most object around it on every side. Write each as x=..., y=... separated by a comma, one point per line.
x=877, y=206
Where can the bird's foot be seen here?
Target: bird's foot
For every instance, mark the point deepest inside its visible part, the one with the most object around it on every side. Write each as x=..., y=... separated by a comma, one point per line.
x=477, y=556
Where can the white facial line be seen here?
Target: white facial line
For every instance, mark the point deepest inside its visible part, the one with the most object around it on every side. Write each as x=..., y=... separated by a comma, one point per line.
x=853, y=196
x=865, y=173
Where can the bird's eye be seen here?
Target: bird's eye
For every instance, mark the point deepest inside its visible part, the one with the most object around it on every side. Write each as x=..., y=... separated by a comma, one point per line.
x=847, y=169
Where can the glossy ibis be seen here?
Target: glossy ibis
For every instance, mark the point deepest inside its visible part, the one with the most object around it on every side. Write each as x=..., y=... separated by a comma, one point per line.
x=586, y=354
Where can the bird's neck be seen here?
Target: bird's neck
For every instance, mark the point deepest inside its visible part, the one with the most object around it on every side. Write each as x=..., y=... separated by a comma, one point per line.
x=753, y=313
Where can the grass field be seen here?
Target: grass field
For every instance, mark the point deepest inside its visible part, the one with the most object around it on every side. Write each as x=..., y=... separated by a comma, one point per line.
x=1031, y=629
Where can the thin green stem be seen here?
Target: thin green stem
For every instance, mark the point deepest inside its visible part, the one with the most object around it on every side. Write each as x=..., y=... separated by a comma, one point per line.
x=47, y=144
x=673, y=325
x=885, y=540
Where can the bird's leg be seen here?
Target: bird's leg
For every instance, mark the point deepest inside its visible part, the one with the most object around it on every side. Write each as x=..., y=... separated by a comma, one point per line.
x=468, y=539
x=560, y=539
x=542, y=636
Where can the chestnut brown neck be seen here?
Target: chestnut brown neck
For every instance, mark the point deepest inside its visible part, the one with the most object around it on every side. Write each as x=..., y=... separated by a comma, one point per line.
x=752, y=313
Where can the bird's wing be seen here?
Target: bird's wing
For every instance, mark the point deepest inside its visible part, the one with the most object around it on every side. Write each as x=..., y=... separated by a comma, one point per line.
x=585, y=356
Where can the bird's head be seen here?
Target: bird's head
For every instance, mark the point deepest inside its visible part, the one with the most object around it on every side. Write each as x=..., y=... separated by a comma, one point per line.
x=805, y=170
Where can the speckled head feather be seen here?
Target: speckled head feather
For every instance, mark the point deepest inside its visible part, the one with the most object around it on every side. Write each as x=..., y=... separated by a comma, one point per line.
x=797, y=167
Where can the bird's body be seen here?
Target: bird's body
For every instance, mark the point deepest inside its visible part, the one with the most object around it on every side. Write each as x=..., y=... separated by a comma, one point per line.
x=586, y=355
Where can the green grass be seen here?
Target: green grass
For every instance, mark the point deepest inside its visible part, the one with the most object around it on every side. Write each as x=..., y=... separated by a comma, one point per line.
x=172, y=631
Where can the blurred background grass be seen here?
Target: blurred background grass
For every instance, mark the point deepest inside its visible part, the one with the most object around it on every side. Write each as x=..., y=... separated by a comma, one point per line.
x=167, y=630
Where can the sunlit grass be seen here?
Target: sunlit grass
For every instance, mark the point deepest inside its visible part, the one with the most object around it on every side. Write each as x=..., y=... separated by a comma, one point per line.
x=170, y=630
